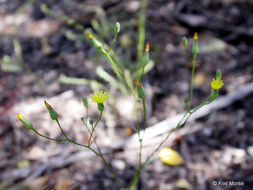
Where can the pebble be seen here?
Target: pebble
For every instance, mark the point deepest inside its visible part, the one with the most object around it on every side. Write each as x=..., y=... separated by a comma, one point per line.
x=119, y=164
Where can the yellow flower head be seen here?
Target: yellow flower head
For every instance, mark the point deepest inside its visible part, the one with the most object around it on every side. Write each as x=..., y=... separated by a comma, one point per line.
x=99, y=97
x=216, y=84
x=137, y=84
x=20, y=116
x=89, y=36
x=47, y=105
x=147, y=47
x=195, y=36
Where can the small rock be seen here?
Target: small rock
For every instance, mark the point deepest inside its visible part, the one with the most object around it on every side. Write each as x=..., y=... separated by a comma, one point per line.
x=250, y=150
x=119, y=164
x=183, y=184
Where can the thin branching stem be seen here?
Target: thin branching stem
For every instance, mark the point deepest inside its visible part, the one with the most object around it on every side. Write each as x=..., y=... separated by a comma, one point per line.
x=93, y=128
x=192, y=79
x=48, y=137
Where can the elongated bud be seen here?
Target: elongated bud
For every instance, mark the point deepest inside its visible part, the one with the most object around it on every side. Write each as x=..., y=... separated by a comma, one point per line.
x=184, y=42
x=85, y=102
x=28, y=125
x=145, y=57
x=195, y=47
x=141, y=93
x=95, y=42
x=53, y=114
x=117, y=27
x=218, y=74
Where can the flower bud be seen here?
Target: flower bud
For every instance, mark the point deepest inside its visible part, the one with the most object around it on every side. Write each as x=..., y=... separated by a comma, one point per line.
x=145, y=58
x=95, y=42
x=85, y=102
x=91, y=122
x=53, y=114
x=117, y=27
x=28, y=125
x=184, y=42
x=141, y=92
x=218, y=74
x=195, y=47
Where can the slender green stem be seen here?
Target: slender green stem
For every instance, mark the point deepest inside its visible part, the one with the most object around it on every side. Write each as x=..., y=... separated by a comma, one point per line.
x=142, y=72
x=192, y=79
x=48, y=137
x=141, y=30
x=73, y=142
x=114, y=65
x=145, y=114
x=165, y=139
x=113, y=42
x=85, y=124
x=133, y=184
x=187, y=53
x=136, y=111
x=188, y=114
x=116, y=69
x=93, y=128
x=70, y=21
x=62, y=130
x=135, y=178
x=107, y=165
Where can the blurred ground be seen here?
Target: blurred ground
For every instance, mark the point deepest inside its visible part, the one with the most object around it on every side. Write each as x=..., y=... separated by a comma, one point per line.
x=221, y=151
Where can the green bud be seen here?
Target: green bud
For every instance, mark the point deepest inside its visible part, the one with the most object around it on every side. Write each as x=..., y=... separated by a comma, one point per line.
x=141, y=92
x=85, y=102
x=91, y=122
x=117, y=27
x=218, y=74
x=184, y=42
x=53, y=114
x=145, y=58
x=101, y=107
x=195, y=47
x=96, y=43
x=28, y=125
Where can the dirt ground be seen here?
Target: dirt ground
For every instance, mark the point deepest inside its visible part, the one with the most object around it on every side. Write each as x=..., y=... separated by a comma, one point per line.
x=39, y=49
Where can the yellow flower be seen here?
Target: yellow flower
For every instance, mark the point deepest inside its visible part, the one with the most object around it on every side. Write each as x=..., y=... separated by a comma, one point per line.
x=147, y=47
x=89, y=36
x=216, y=84
x=99, y=97
x=20, y=116
x=195, y=36
x=47, y=105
